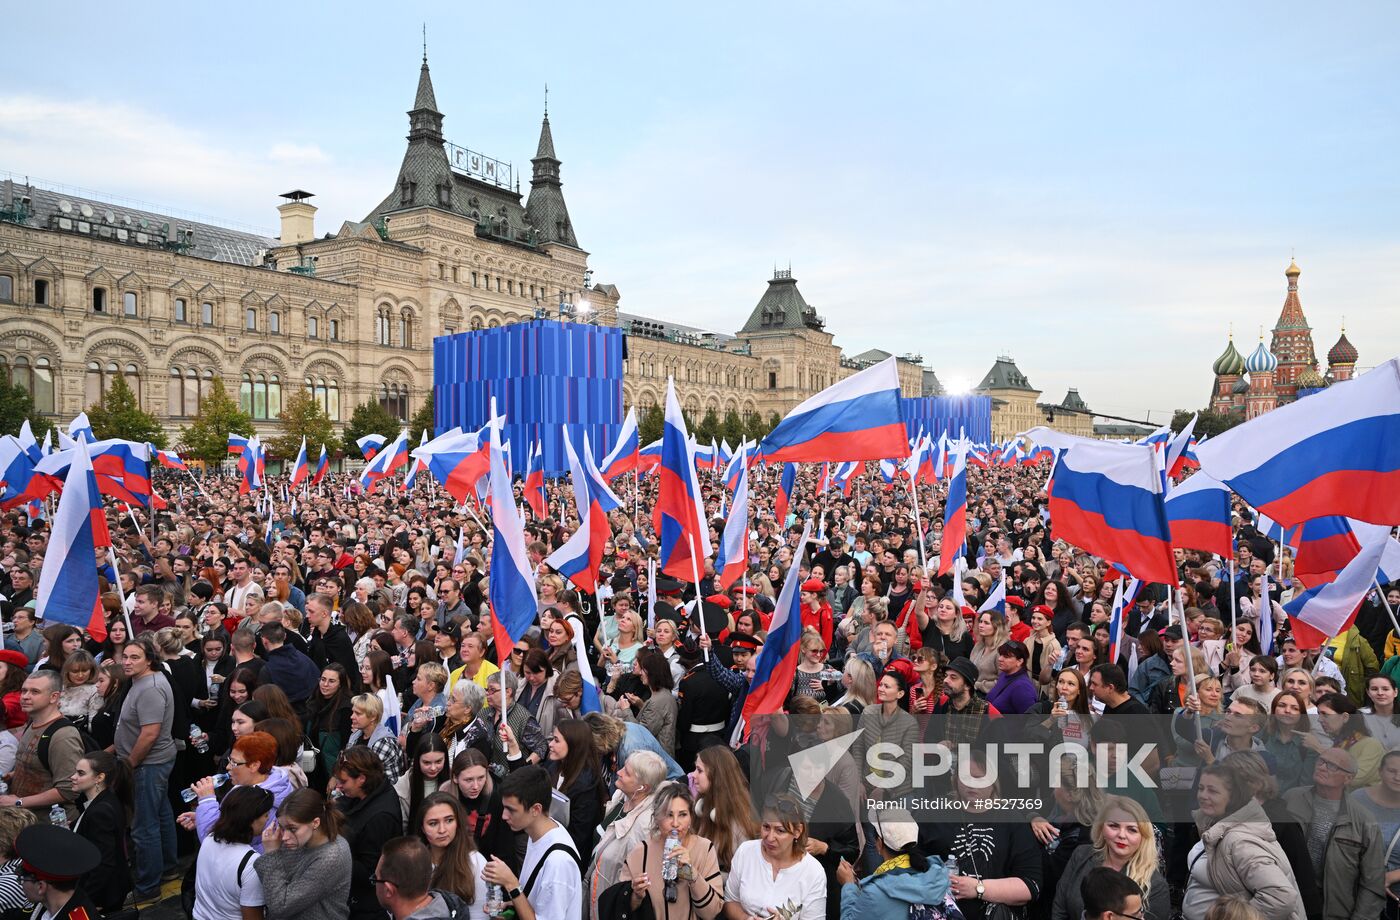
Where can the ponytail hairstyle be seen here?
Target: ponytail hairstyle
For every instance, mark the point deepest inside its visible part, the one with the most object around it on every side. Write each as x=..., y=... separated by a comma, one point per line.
x=117, y=779
x=306, y=806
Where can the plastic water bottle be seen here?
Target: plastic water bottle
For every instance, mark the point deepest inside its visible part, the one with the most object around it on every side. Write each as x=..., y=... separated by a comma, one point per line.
x=4, y=787
x=950, y=865
x=189, y=795
x=58, y=817
x=827, y=675
x=199, y=739
x=669, y=867
x=493, y=905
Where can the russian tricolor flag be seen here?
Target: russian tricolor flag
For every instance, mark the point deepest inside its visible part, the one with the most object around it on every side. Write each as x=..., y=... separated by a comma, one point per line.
x=783, y=499
x=370, y=445
x=386, y=462
x=955, y=512
x=236, y=443
x=534, y=482
x=411, y=479
x=68, y=585
x=1180, y=453
x=624, y=455
x=300, y=470
x=684, y=535
x=250, y=466
x=322, y=466
x=81, y=428
x=582, y=554
x=1123, y=600
x=858, y=418
x=1330, y=608
x=1336, y=452
x=511, y=588
x=1106, y=499
x=704, y=455
x=16, y=469
x=773, y=672
x=169, y=459
x=733, y=557
x=649, y=458
x=1198, y=513
x=996, y=601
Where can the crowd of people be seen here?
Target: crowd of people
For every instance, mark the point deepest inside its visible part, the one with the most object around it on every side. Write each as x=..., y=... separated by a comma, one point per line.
x=311, y=719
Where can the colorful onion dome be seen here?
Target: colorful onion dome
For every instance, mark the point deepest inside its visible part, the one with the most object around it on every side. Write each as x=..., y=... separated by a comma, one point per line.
x=1231, y=362
x=1343, y=352
x=1261, y=361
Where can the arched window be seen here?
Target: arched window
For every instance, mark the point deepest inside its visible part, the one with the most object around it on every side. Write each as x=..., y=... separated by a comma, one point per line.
x=405, y=330
x=21, y=376
x=192, y=391
x=92, y=383
x=274, y=322
x=333, y=400
x=250, y=319
x=43, y=385
x=313, y=328
x=4, y=369
x=206, y=383
x=7, y=288
x=260, y=396
x=133, y=380
x=334, y=330
x=175, y=393
x=394, y=398
x=320, y=392
x=129, y=303
x=181, y=310
x=245, y=393
x=274, y=397
x=206, y=313
x=381, y=327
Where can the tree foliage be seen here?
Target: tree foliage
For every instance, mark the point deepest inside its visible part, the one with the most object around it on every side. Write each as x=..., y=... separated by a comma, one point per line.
x=303, y=414
x=650, y=425
x=709, y=428
x=118, y=415
x=732, y=429
x=1208, y=422
x=16, y=405
x=755, y=429
x=422, y=420
x=206, y=438
x=369, y=417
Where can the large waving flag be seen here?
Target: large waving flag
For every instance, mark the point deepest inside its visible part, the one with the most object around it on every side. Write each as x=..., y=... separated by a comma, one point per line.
x=385, y=462
x=773, y=672
x=322, y=466
x=121, y=468
x=168, y=458
x=68, y=584
x=370, y=445
x=250, y=466
x=703, y=455
x=534, y=481
x=625, y=453
x=511, y=588
x=1330, y=608
x=459, y=460
x=582, y=554
x=783, y=499
x=29, y=444
x=1198, y=513
x=300, y=470
x=649, y=458
x=955, y=512
x=680, y=519
x=415, y=465
x=1336, y=452
x=733, y=557
x=236, y=443
x=858, y=418
x=996, y=600
x=1180, y=450
x=1107, y=500
x=16, y=469
x=80, y=428
x=732, y=469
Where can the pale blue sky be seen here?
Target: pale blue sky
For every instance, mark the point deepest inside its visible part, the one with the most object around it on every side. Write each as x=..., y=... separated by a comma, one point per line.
x=1098, y=190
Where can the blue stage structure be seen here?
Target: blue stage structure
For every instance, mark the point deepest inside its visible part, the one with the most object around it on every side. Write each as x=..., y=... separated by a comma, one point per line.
x=937, y=414
x=545, y=376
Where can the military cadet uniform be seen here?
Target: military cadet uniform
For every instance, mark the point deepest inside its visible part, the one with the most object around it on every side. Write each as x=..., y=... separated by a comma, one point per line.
x=56, y=854
x=703, y=714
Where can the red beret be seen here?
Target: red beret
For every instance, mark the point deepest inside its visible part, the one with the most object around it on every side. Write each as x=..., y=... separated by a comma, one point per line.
x=746, y=589
x=1043, y=609
x=814, y=586
x=720, y=600
x=969, y=611
x=10, y=656
x=1015, y=601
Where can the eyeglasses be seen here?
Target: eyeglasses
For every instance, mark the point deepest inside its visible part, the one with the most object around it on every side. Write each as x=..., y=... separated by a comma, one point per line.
x=1335, y=767
x=237, y=763
x=376, y=880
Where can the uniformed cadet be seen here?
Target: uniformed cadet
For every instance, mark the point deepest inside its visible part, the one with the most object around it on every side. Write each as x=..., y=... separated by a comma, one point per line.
x=52, y=860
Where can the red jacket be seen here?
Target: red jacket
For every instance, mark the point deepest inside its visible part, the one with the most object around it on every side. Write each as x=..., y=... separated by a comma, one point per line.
x=820, y=620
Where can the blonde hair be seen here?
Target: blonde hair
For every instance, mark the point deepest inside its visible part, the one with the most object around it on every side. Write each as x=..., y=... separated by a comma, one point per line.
x=1002, y=633
x=959, y=621
x=435, y=672
x=1232, y=908
x=811, y=639
x=1143, y=863
x=1206, y=678
x=370, y=705
x=862, y=677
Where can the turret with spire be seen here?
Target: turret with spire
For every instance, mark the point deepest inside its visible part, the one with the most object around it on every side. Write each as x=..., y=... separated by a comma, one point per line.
x=425, y=178
x=1341, y=358
x=1229, y=370
x=1292, y=340
x=545, y=208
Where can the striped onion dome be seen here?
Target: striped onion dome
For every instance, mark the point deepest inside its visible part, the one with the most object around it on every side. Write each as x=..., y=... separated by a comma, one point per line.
x=1261, y=361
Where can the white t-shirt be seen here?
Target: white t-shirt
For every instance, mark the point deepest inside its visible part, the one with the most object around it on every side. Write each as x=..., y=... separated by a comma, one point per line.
x=558, y=890
x=477, y=909
x=218, y=895
x=799, y=889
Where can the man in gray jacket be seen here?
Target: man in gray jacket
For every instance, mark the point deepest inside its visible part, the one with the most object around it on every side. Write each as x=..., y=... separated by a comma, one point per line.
x=1344, y=840
x=402, y=881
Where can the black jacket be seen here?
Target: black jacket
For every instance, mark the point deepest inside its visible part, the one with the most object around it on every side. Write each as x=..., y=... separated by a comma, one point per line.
x=293, y=672
x=104, y=823
x=370, y=823
x=335, y=646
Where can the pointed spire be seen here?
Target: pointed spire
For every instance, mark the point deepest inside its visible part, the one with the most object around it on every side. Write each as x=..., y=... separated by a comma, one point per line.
x=424, y=100
x=546, y=146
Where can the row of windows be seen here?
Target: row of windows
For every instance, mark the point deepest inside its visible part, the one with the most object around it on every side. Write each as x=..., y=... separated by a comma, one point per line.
x=101, y=375
x=34, y=378
x=260, y=395
x=730, y=377
x=40, y=290
x=503, y=285
x=383, y=324
x=394, y=398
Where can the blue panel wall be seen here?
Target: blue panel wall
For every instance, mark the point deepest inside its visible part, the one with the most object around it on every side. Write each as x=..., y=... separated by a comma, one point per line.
x=937, y=414
x=545, y=376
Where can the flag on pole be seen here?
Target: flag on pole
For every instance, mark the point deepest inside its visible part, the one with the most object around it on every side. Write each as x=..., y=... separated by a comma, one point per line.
x=783, y=499
x=733, y=557
x=370, y=445
x=1330, y=608
x=1332, y=453
x=68, y=583
x=1198, y=513
x=81, y=428
x=534, y=481
x=414, y=466
x=955, y=512
x=684, y=534
x=777, y=662
x=299, y=467
x=386, y=462
x=581, y=556
x=322, y=466
x=625, y=454
x=168, y=459
x=858, y=418
x=511, y=589
x=236, y=443
x=996, y=601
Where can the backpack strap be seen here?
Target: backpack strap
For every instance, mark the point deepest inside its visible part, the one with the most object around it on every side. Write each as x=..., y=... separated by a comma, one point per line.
x=243, y=864
x=41, y=750
x=534, y=873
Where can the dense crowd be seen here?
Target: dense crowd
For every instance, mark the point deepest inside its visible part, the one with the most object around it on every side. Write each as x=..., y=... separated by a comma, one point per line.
x=314, y=721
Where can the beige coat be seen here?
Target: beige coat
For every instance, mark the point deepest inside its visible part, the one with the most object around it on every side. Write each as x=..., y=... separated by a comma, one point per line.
x=702, y=897
x=619, y=839
x=1244, y=859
